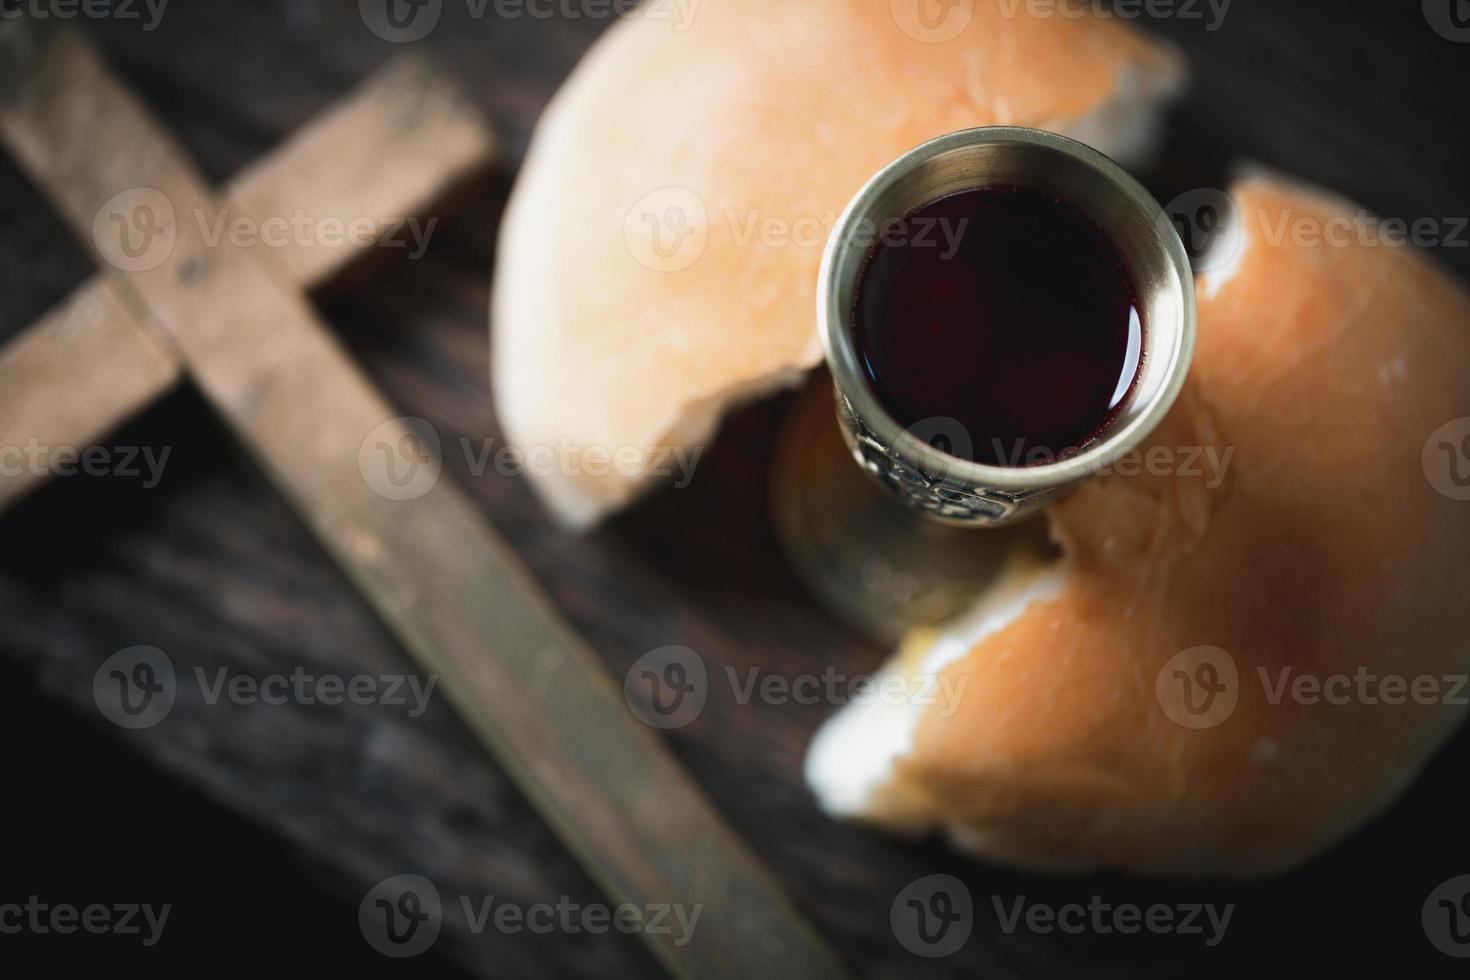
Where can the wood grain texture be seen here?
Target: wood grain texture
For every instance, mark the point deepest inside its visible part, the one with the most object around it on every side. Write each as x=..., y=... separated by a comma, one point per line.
x=213, y=568
x=425, y=560
x=365, y=165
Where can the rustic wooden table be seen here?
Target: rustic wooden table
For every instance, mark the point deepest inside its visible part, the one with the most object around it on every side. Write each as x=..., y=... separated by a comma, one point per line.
x=213, y=567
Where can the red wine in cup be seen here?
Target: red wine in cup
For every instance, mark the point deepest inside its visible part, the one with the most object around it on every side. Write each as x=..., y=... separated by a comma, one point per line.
x=1008, y=310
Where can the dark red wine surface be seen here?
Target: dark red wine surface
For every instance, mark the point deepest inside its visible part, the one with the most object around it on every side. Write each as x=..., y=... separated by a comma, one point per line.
x=1007, y=310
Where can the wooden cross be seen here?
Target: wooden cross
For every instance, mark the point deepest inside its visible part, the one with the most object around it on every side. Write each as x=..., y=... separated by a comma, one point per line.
x=235, y=319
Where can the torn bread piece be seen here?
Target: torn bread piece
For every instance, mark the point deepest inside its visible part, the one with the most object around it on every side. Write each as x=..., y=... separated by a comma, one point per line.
x=1254, y=637
x=658, y=259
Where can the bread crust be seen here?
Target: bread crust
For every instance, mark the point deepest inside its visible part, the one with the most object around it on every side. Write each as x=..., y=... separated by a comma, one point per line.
x=1324, y=551
x=750, y=128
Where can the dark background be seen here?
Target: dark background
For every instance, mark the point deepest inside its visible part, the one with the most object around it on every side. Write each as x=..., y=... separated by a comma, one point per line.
x=264, y=828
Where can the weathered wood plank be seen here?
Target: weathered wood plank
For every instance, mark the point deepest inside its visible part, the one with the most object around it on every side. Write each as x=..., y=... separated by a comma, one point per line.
x=424, y=558
x=362, y=168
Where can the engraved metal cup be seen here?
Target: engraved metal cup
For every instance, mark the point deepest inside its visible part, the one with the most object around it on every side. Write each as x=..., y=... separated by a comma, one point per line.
x=917, y=463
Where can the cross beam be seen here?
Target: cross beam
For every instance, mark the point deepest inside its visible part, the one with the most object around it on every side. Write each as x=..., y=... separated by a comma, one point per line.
x=454, y=594
x=385, y=154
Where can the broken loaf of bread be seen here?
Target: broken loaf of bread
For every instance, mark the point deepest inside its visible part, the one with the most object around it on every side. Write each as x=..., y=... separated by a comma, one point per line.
x=1139, y=702
x=658, y=258
x=1236, y=661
